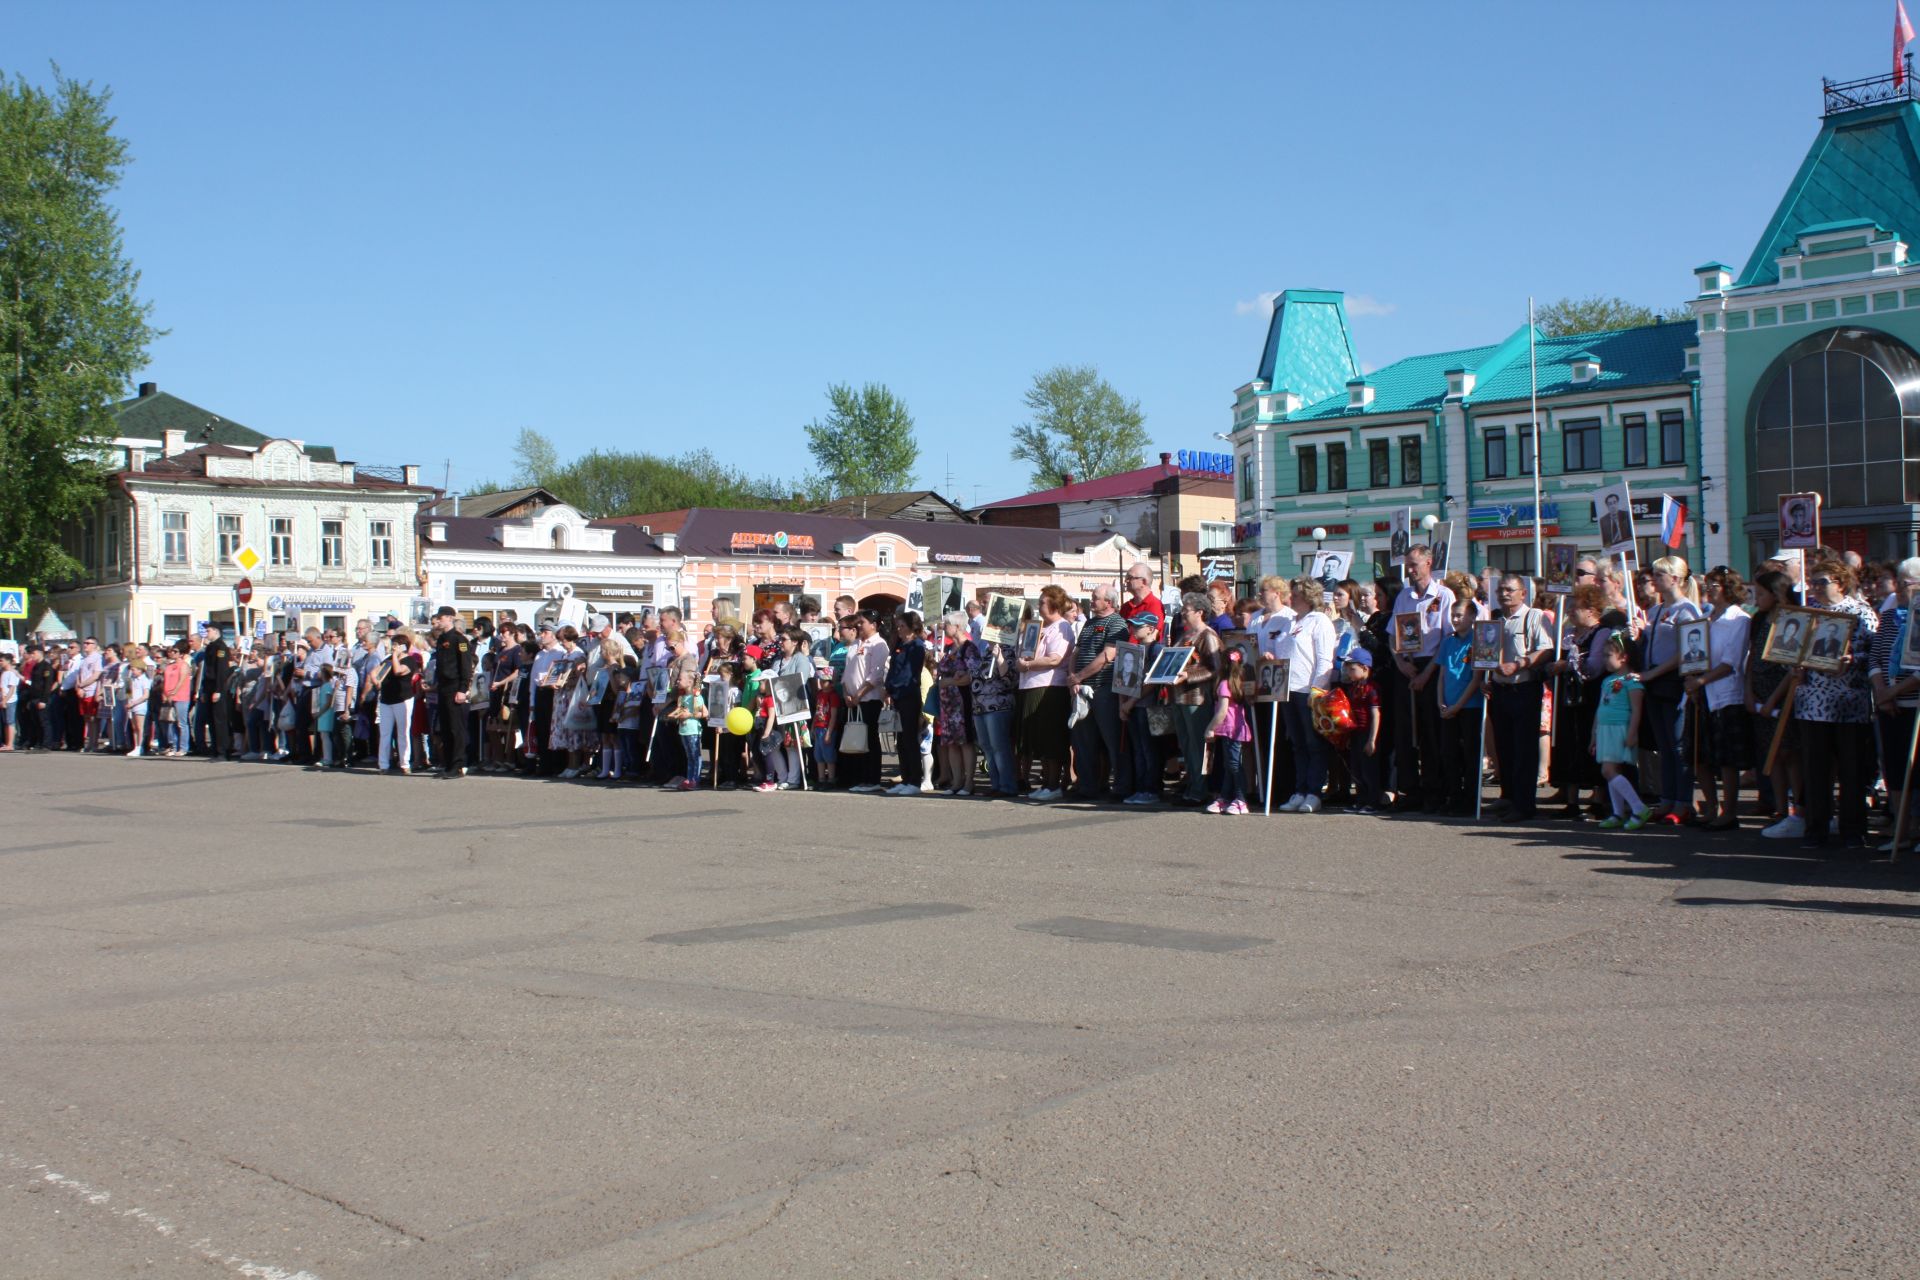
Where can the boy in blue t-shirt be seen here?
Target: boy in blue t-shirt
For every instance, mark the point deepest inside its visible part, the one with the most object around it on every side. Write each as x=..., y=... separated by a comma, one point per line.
x=1461, y=718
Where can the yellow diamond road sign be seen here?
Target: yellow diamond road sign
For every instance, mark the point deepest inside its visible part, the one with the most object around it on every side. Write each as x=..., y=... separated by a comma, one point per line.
x=247, y=558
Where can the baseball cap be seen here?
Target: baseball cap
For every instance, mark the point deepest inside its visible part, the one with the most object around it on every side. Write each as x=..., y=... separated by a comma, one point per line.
x=597, y=622
x=1360, y=658
x=755, y=652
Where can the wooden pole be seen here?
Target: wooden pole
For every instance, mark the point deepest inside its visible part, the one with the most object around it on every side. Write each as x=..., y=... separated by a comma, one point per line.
x=1906, y=786
x=1786, y=714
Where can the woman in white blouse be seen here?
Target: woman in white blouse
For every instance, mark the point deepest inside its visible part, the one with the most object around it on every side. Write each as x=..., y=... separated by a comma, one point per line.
x=1310, y=668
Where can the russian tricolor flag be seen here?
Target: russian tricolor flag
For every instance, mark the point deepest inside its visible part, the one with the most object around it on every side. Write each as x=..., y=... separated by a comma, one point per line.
x=1673, y=521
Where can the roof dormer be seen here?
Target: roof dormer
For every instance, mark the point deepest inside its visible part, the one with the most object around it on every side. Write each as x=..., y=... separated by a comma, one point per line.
x=1586, y=367
x=1851, y=247
x=1714, y=277
x=1459, y=383
x=1359, y=393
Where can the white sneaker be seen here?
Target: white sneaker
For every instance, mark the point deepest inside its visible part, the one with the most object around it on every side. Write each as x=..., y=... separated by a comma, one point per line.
x=1309, y=804
x=1791, y=827
x=135, y=753
x=926, y=789
x=1293, y=804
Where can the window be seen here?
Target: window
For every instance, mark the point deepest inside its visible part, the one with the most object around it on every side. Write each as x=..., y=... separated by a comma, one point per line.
x=1633, y=428
x=333, y=554
x=1246, y=477
x=559, y=537
x=1410, y=471
x=380, y=544
x=173, y=537
x=89, y=542
x=1496, y=468
x=1215, y=535
x=1840, y=415
x=173, y=626
x=883, y=556
x=113, y=542
x=1673, y=438
x=280, y=541
x=227, y=534
x=1526, y=451
x=1379, y=464
x=1581, y=443
x=1309, y=469
x=1336, y=467
x=1511, y=557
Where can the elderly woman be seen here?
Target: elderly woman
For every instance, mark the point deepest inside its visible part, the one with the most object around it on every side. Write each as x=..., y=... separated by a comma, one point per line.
x=1043, y=696
x=954, y=679
x=1309, y=671
x=1833, y=714
x=1193, y=693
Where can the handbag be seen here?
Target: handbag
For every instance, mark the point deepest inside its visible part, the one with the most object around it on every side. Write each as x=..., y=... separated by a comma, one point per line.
x=853, y=738
x=889, y=720
x=579, y=717
x=166, y=713
x=289, y=717
x=1159, y=720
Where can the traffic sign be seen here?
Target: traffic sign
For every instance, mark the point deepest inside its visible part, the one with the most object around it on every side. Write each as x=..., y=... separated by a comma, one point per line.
x=243, y=591
x=247, y=558
x=13, y=602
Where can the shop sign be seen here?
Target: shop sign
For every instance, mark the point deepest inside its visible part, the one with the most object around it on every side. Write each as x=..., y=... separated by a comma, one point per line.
x=526, y=589
x=1247, y=531
x=948, y=557
x=1218, y=569
x=1643, y=508
x=1306, y=530
x=309, y=604
x=1220, y=464
x=1511, y=522
x=772, y=544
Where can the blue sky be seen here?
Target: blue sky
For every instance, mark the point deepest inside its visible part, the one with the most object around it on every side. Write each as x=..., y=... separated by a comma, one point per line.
x=407, y=230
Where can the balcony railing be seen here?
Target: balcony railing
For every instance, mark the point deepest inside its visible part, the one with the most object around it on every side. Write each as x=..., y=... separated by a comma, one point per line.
x=1851, y=95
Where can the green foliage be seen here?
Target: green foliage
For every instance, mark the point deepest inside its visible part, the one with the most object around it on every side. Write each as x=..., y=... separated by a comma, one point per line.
x=1080, y=426
x=1566, y=316
x=72, y=330
x=603, y=484
x=865, y=443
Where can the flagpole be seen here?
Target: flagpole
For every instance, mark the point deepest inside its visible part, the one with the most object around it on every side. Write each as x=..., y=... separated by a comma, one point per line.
x=1533, y=401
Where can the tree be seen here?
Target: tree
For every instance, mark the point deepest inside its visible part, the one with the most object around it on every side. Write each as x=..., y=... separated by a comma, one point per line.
x=865, y=443
x=1590, y=315
x=534, y=458
x=1080, y=426
x=73, y=331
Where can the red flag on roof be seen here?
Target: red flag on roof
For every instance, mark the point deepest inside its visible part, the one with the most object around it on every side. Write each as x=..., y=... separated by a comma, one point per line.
x=1902, y=37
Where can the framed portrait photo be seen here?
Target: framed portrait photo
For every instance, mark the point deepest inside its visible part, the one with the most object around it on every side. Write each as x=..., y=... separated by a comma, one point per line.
x=1168, y=666
x=1244, y=643
x=1406, y=634
x=1613, y=512
x=1272, y=683
x=790, y=699
x=1788, y=638
x=1561, y=558
x=1832, y=637
x=1488, y=639
x=1003, y=619
x=1030, y=639
x=1129, y=669
x=1330, y=564
x=1402, y=535
x=1440, y=543
x=1800, y=520
x=1696, y=647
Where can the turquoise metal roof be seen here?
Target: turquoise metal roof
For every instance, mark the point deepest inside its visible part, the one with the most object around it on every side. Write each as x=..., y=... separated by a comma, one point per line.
x=1309, y=348
x=1418, y=382
x=1863, y=167
x=1844, y=224
x=1645, y=356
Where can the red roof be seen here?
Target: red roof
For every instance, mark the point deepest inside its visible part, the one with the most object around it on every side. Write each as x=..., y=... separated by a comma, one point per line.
x=1122, y=484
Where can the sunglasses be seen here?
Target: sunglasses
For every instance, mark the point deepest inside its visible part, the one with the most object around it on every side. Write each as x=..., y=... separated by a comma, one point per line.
x=1819, y=582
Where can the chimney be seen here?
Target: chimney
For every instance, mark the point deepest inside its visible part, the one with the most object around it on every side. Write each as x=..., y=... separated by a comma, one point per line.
x=136, y=459
x=456, y=504
x=175, y=441
x=1066, y=478
x=1166, y=460
x=410, y=476
x=436, y=531
x=667, y=541
x=149, y=389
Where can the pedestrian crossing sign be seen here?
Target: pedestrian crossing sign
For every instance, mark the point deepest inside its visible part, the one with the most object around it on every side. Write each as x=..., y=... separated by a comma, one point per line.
x=13, y=602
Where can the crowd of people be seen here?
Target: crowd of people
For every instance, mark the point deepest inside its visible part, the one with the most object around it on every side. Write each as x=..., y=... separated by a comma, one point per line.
x=1383, y=704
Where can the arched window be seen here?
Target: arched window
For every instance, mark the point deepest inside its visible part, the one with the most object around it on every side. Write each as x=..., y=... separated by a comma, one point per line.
x=559, y=537
x=1839, y=414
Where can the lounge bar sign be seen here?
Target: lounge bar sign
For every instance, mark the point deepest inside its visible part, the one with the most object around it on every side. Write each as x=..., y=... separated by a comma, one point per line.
x=509, y=589
x=772, y=544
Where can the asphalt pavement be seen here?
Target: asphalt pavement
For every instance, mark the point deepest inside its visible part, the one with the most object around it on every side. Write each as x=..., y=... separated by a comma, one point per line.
x=264, y=1022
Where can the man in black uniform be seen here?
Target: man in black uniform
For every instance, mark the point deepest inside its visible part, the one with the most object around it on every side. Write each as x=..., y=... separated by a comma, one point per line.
x=216, y=674
x=452, y=675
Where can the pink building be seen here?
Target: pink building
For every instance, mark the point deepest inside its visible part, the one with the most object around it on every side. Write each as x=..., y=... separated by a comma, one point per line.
x=740, y=561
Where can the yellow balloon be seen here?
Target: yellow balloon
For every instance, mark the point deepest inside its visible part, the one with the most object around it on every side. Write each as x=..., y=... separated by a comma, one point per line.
x=739, y=722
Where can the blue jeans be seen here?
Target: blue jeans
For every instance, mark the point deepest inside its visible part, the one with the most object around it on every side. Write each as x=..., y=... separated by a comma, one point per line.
x=995, y=731
x=1309, y=748
x=1190, y=728
x=1668, y=716
x=1232, y=785
x=690, y=744
x=182, y=722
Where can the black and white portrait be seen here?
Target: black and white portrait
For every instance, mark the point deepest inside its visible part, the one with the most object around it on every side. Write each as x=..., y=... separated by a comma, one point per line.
x=1695, y=643
x=1030, y=639
x=1787, y=641
x=1402, y=535
x=1171, y=662
x=1800, y=520
x=789, y=698
x=1003, y=619
x=1129, y=670
x=1273, y=681
x=1615, y=509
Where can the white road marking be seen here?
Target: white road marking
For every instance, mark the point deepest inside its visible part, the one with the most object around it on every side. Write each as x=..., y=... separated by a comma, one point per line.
x=101, y=1199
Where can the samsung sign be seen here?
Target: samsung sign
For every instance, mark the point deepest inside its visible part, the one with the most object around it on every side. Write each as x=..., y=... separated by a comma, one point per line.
x=1216, y=463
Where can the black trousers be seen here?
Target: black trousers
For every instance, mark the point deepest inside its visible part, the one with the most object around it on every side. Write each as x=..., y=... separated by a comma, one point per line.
x=449, y=733
x=863, y=769
x=1515, y=712
x=907, y=742
x=1421, y=770
x=1824, y=750
x=219, y=718
x=1460, y=751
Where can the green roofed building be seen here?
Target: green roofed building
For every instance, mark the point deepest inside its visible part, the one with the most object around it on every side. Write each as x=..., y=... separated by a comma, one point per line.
x=1810, y=352
x=1319, y=444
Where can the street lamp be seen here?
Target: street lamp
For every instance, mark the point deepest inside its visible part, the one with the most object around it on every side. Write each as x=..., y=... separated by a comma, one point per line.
x=1428, y=521
x=1319, y=536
